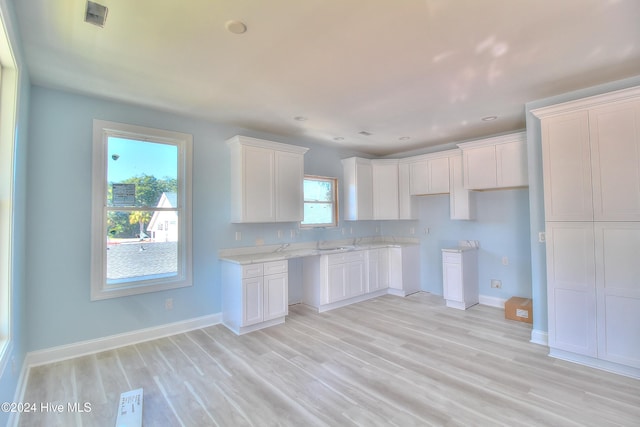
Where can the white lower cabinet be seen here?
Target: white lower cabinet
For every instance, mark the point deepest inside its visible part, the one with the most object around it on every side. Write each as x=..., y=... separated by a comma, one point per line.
x=335, y=280
x=460, y=277
x=254, y=296
x=378, y=269
x=594, y=290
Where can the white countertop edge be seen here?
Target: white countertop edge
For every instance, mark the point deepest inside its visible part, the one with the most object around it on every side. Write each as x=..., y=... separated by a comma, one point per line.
x=256, y=254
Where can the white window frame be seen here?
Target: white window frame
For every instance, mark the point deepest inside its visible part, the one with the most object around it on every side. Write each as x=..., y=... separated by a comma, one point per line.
x=336, y=211
x=9, y=83
x=102, y=130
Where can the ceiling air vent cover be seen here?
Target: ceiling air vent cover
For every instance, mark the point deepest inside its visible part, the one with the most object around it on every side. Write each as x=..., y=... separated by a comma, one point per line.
x=96, y=14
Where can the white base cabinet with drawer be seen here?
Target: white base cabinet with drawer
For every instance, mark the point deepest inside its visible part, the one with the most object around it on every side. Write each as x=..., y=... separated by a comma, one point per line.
x=460, y=277
x=254, y=296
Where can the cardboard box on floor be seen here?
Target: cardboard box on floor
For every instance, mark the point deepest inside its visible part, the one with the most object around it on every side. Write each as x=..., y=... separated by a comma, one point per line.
x=517, y=308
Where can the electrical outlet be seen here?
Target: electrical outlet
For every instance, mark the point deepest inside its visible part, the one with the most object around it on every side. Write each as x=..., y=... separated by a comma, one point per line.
x=426, y=230
x=238, y=235
x=293, y=233
x=542, y=237
x=505, y=260
x=496, y=283
x=279, y=234
x=412, y=230
x=168, y=304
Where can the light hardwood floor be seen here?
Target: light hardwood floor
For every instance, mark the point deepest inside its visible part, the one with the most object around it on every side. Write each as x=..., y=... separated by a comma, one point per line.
x=388, y=361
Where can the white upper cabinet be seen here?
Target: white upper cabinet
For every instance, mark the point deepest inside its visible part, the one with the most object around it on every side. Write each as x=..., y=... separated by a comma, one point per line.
x=567, y=167
x=266, y=180
x=615, y=158
x=385, y=189
x=358, y=189
x=498, y=162
x=407, y=205
x=429, y=174
x=591, y=158
x=461, y=204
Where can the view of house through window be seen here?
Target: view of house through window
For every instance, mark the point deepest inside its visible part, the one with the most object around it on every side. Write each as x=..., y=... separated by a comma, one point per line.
x=143, y=202
x=320, y=202
x=143, y=184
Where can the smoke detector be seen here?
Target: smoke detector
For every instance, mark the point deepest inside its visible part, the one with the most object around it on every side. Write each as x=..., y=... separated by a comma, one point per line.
x=96, y=14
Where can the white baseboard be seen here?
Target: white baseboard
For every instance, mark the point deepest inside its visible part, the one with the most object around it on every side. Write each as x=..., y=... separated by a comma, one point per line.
x=539, y=337
x=21, y=387
x=82, y=348
x=492, y=301
x=604, y=365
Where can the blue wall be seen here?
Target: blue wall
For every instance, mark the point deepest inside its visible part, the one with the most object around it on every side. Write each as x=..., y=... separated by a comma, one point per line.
x=59, y=218
x=501, y=227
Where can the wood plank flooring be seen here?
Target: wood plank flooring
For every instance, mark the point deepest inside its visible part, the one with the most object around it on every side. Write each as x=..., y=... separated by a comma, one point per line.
x=389, y=361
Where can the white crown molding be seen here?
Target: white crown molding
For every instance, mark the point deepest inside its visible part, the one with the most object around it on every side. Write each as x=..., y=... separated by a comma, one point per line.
x=588, y=102
x=263, y=143
x=494, y=140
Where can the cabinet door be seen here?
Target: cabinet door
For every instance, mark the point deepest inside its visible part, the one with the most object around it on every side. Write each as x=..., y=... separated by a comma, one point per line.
x=289, y=177
x=460, y=206
x=385, y=189
x=336, y=283
x=355, y=280
x=258, y=186
x=452, y=277
x=252, y=301
x=358, y=189
x=373, y=260
x=438, y=175
x=479, y=167
x=618, y=291
x=418, y=178
x=407, y=207
x=615, y=159
x=571, y=292
x=511, y=163
x=566, y=162
x=276, y=297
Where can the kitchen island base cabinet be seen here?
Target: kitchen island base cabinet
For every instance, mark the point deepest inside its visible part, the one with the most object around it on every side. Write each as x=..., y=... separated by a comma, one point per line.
x=460, y=277
x=254, y=296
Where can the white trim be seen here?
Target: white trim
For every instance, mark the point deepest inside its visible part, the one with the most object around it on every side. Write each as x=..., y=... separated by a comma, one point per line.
x=604, y=365
x=102, y=130
x=586, y=103
x=539, y=337
x=263, y=143
x=492, y=301
x=21, y=388
x=494, y=140
x=83, y=348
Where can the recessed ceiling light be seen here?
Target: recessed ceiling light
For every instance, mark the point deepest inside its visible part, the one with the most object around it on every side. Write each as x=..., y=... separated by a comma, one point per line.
x=404, y=138
x=300, y=118
x=489, y=118
x=96, y=14
x=235, y=27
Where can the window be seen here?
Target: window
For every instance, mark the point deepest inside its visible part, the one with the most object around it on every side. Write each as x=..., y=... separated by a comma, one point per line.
x=141, y=180
x=320, y=202
x=9, y=77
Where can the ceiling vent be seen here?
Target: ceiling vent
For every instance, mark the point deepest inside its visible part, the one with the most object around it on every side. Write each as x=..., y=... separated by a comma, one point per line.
x=365, y=133
x=96, y=14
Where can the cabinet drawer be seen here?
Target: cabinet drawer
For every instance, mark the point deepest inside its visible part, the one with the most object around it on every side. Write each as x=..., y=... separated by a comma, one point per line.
x=252, y=270
x=343, y=257
x=451, y=257
x=275, y=267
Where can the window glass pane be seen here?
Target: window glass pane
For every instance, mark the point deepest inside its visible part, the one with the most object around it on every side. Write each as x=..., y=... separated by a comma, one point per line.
x=138, y=172
x=151, y=253
x=318, y=191
x=318, y=213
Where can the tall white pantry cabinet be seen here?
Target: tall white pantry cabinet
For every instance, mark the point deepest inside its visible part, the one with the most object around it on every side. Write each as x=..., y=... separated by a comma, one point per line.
x=591, y=170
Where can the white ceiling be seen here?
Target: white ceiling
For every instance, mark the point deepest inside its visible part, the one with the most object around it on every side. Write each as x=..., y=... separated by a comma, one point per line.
x=424, y=69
